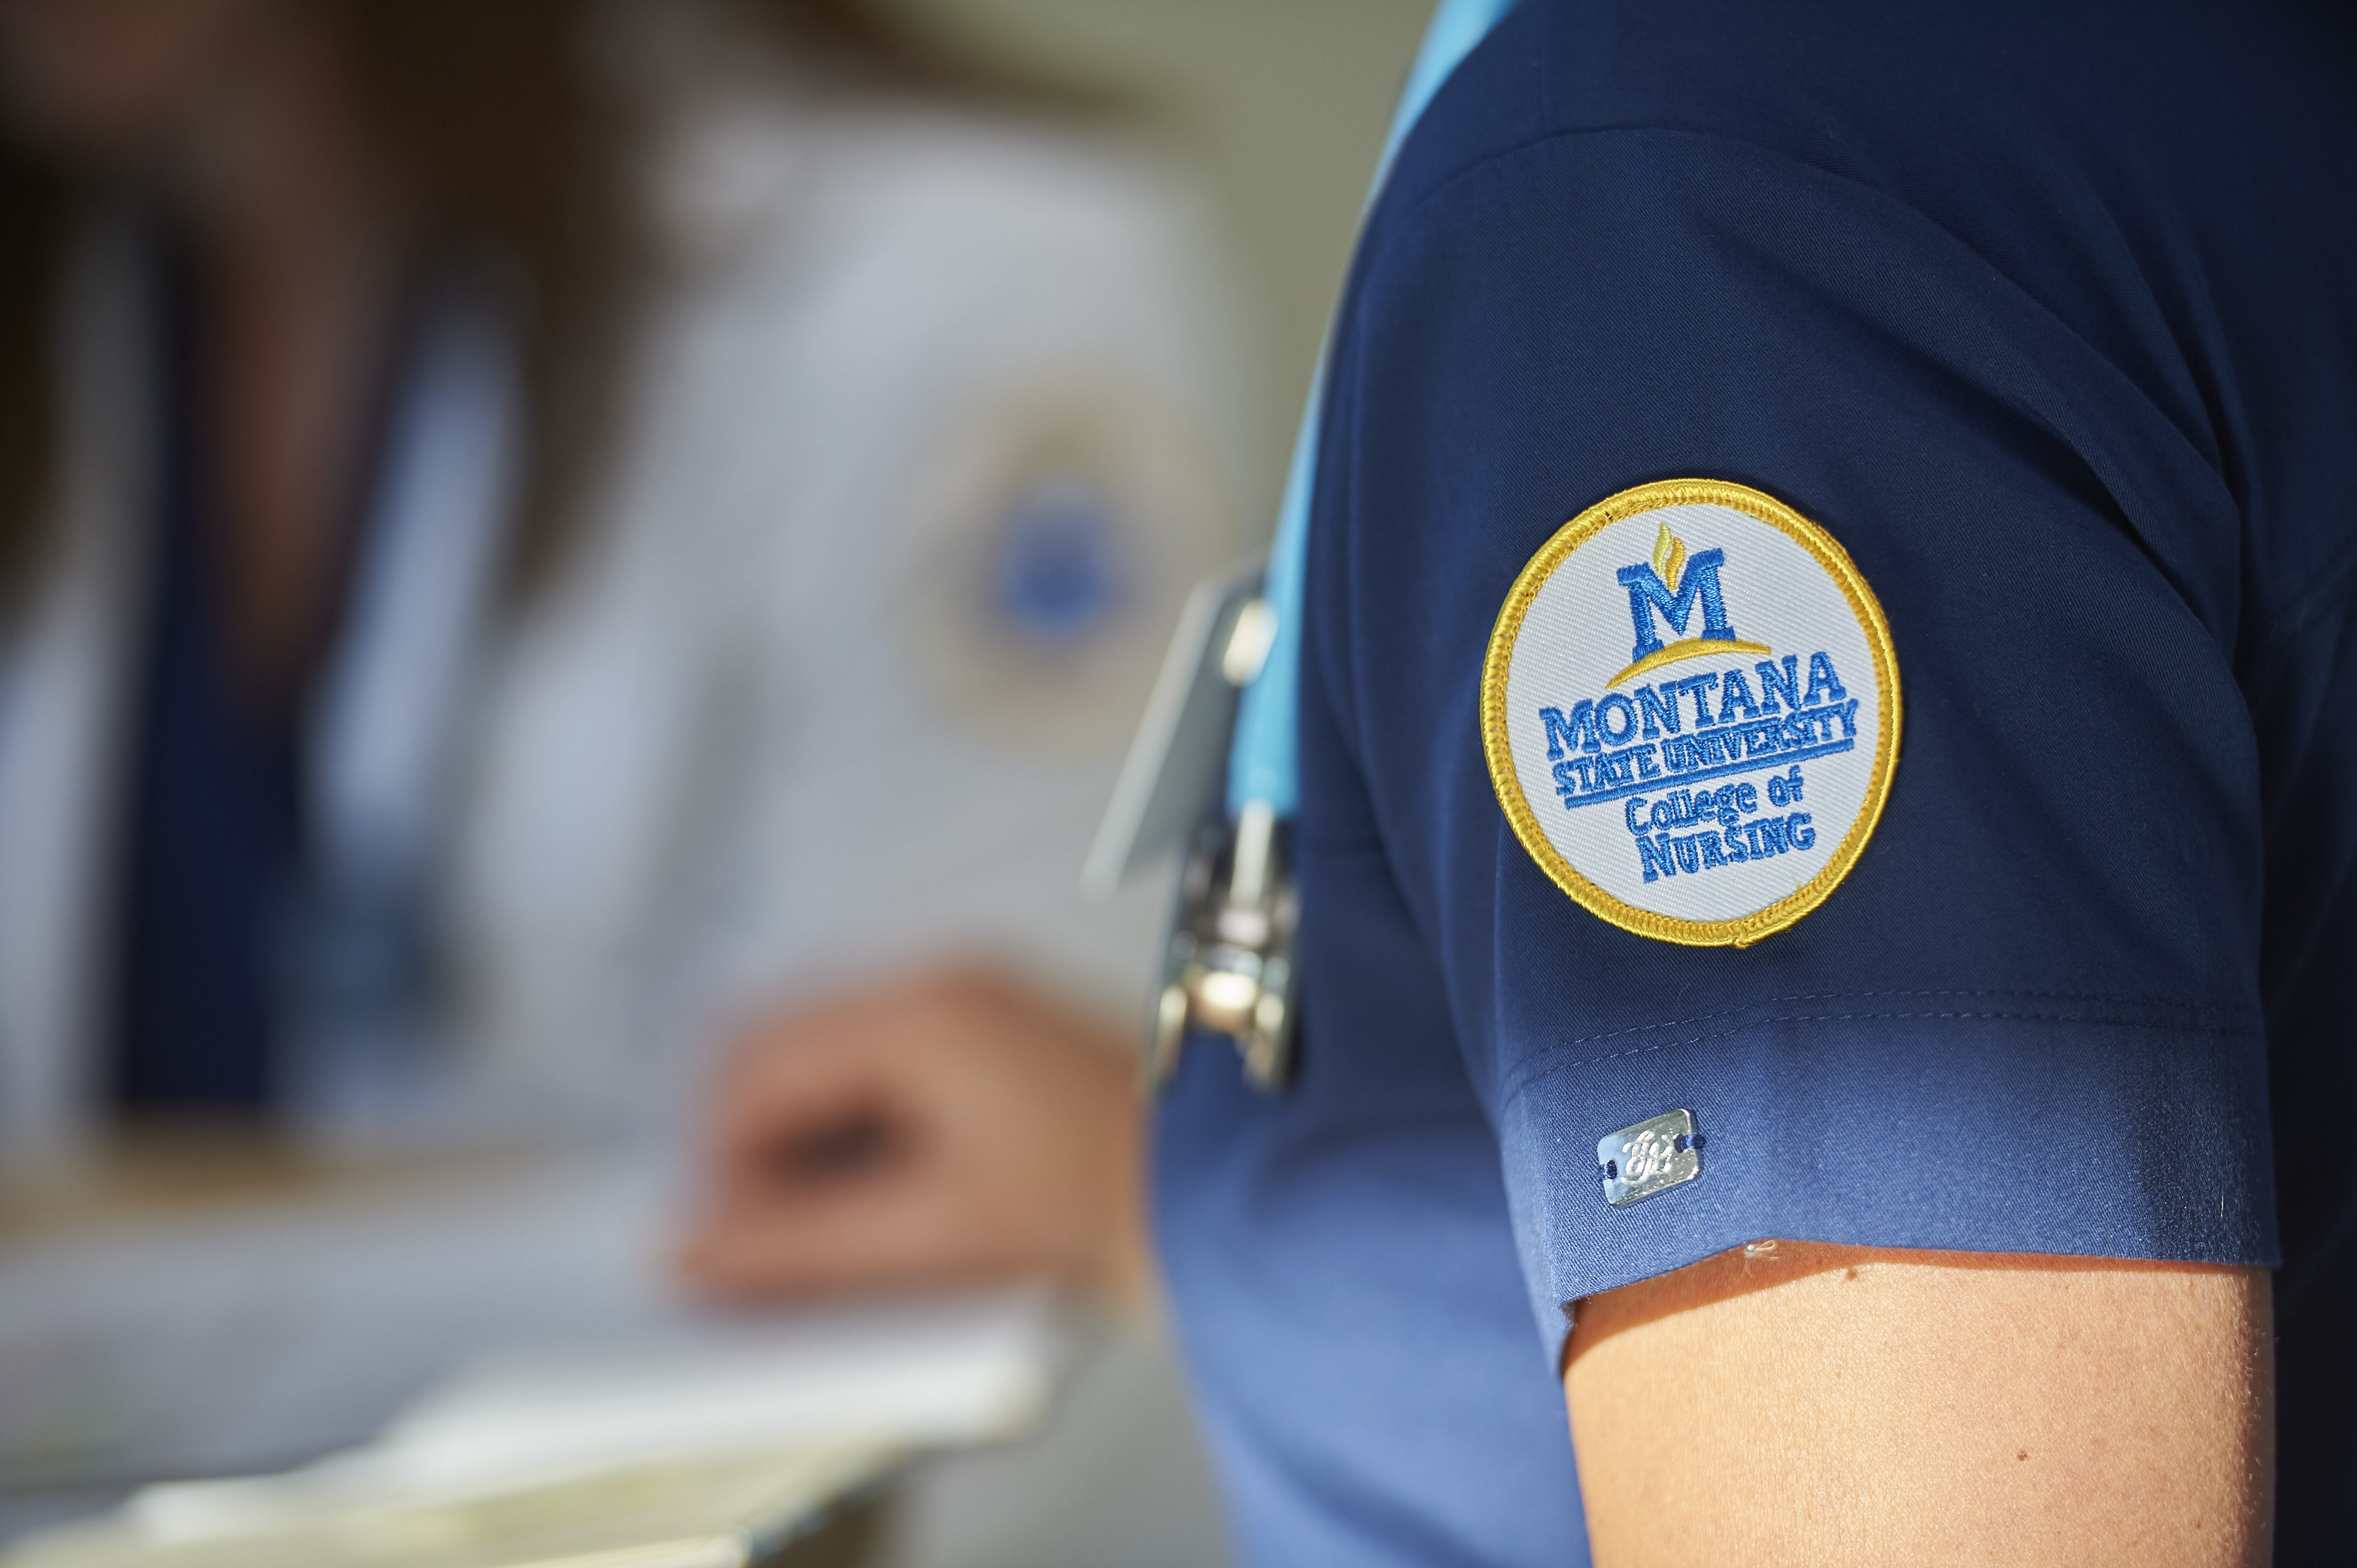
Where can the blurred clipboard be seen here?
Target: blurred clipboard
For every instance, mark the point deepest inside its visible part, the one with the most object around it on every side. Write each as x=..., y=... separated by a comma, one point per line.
x=581, y=1417
x=712, y=1449
x=752, y=1510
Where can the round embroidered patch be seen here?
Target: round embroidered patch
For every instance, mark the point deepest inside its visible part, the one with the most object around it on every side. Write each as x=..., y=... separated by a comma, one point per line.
x=1690, y=709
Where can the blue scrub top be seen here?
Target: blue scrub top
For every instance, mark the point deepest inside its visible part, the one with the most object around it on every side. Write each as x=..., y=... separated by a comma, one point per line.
x=2048, y=314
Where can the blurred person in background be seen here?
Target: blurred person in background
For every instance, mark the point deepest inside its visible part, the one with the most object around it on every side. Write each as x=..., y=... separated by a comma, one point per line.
x=539, y=540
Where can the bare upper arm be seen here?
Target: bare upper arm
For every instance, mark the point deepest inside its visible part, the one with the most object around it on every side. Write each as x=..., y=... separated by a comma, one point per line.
x=1797, y=1402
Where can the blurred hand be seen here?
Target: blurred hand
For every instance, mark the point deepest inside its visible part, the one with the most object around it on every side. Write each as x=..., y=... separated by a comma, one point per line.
x=956, y=1127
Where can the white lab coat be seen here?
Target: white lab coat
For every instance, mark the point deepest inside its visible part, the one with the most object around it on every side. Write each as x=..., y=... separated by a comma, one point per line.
x=767, y=732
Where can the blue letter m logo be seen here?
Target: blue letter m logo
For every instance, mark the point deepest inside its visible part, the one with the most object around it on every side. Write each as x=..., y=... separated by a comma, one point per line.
x=1648, y=593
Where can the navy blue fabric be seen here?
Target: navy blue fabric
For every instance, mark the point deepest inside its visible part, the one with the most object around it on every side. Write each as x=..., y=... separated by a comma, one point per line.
x=2048, y=312
x=223, y=934
x=215, y=802
x=1346, y=1281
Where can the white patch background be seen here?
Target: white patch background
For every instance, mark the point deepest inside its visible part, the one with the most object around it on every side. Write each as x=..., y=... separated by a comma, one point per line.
x=1578, y=635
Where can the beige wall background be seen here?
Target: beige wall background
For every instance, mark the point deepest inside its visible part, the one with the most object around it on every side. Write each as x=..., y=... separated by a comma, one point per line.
x=1280, y=105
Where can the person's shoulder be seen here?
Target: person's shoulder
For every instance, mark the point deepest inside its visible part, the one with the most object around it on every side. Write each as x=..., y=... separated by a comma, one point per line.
x=2023, y=193
x=1905, y=98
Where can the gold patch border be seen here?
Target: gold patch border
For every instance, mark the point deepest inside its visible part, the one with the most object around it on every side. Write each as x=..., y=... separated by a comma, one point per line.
x=1746, y=929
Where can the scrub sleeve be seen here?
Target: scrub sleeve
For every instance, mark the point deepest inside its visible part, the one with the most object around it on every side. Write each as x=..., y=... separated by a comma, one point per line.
x=2028, y=1020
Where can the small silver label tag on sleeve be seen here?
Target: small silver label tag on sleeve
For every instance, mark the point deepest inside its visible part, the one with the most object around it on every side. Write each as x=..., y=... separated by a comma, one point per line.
x=1655, y=1154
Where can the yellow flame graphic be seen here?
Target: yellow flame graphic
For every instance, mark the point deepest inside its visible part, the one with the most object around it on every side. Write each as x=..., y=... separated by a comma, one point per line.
x=1669, y=558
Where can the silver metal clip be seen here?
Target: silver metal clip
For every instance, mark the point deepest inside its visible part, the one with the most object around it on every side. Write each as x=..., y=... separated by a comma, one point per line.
x=1229, y=967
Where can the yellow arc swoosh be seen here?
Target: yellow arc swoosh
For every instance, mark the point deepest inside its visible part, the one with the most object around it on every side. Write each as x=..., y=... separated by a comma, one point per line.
x=1692, y=648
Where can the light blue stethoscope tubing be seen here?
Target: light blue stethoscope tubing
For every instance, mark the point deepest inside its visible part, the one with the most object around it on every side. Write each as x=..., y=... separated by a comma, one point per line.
x=1263, y=761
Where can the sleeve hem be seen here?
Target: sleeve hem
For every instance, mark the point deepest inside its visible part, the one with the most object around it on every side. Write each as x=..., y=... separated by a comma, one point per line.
x=2061, y=1125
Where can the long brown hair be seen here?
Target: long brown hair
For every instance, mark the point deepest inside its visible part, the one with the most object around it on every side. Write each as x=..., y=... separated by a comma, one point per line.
x=526, y=154
x=33, y=208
